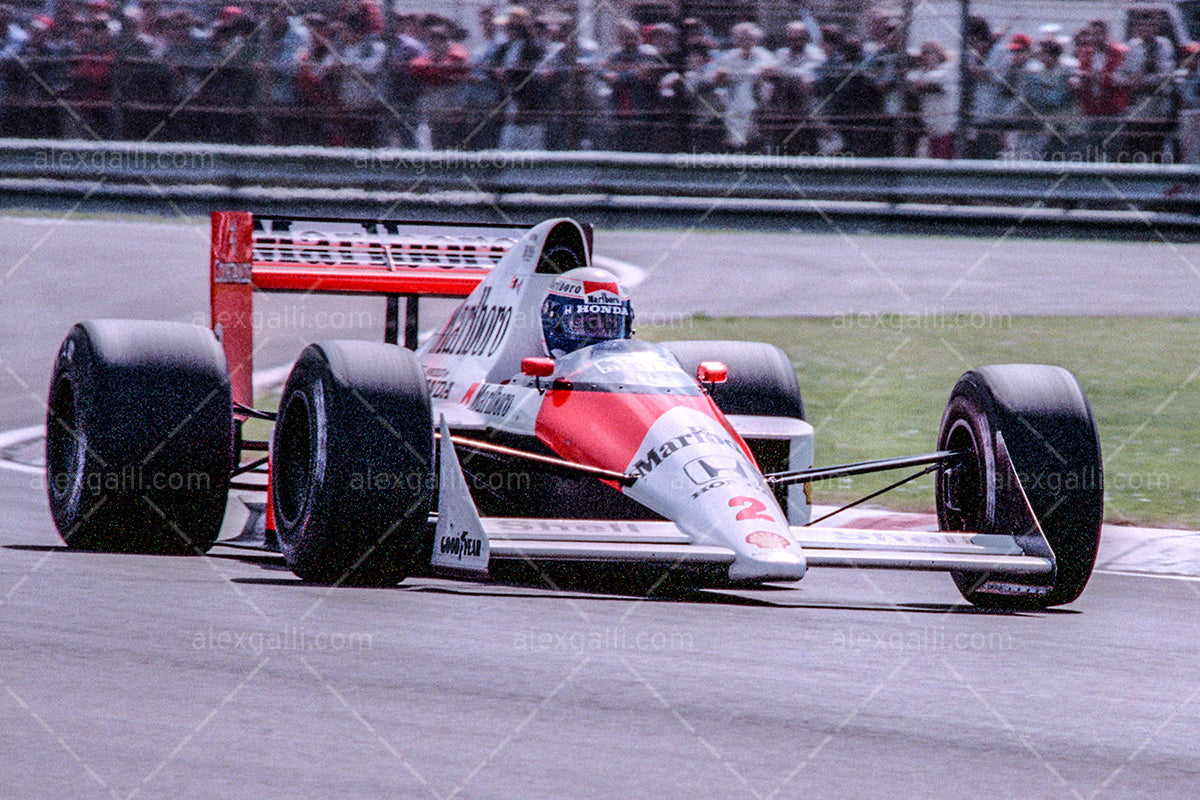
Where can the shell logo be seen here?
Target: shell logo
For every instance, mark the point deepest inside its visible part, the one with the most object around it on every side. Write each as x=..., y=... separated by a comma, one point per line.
x=767, y=540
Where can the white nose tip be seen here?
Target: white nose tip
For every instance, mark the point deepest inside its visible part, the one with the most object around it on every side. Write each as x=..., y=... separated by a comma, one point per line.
x=774, y=565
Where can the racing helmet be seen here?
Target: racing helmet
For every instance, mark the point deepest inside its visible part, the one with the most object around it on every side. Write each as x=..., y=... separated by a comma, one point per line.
x=585, y=306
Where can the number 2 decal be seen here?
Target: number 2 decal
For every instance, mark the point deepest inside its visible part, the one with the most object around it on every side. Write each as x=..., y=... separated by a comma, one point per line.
x=751, y=508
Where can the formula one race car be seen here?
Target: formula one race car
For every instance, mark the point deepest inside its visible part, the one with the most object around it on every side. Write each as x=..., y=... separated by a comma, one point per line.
x=530, y=434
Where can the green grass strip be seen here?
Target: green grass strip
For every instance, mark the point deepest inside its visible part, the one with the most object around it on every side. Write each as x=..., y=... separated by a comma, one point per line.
x=875, y=386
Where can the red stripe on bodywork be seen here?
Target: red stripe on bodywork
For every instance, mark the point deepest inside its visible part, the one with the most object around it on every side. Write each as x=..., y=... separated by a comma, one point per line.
x=290, y=278
x=606, y=429
x=591, y=286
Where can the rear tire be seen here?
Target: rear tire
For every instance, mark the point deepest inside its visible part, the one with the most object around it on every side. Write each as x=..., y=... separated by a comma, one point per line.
x=139, y=437
x=352, y=464
x=1050, y=433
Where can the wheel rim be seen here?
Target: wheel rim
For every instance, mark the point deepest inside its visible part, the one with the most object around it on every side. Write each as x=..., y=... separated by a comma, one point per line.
x=961, y=486
x=66, y=447
x=292, y=463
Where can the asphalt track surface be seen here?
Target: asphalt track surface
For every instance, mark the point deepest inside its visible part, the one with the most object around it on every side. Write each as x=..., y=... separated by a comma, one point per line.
x=133, y=676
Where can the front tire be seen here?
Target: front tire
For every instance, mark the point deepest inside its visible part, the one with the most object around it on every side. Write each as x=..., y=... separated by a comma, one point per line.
x=139, y=437
x=761, y=379
x=1047, y=426
x=352, y=464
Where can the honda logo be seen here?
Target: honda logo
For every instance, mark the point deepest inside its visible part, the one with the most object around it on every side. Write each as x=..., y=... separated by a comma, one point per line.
x=710, y=468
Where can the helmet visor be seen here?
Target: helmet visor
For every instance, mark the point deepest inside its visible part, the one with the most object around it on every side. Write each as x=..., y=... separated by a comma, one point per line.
x=610, y=324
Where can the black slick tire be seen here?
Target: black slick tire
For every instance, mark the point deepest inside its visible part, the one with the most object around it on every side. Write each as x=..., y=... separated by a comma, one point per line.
x=352, y=464
x=1049, y=431
x=139, y=437
x=761, y=379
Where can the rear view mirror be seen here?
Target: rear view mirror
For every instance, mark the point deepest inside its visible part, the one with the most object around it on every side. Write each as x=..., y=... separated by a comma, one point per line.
x=537, y=367
x=712, y=372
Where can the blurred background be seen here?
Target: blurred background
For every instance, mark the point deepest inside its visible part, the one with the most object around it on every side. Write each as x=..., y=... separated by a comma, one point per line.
x=1071, y=80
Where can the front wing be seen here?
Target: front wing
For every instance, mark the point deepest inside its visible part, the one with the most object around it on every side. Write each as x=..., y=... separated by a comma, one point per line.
x=466, y=544
x=648, y=542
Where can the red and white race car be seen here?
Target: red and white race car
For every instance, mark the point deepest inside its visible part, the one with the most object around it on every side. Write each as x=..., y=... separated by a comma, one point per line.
x=531, y=435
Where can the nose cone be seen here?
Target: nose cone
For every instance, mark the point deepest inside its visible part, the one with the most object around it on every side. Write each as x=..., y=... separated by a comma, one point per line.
x=779, y=565
x=694, y=472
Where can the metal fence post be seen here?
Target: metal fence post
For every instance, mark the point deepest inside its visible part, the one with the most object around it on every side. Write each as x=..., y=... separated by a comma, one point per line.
x=966, y=82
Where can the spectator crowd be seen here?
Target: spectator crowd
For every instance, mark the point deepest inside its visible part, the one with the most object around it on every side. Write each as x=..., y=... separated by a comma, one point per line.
x=347, y=74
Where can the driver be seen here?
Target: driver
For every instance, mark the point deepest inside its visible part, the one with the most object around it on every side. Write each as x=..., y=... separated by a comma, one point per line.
x=585, y=306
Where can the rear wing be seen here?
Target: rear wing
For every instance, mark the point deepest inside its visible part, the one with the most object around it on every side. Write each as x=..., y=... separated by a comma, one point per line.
x=306, y=255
